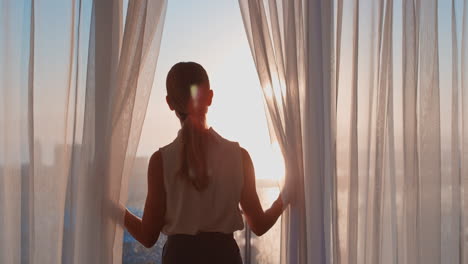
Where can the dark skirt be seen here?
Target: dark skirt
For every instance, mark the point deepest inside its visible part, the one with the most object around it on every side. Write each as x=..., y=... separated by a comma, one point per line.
x=203, y=248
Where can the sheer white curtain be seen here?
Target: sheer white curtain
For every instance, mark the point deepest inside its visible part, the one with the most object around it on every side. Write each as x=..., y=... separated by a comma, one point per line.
x=75, y=80
x=291, y=47
x=387, y=82
x=401, y=85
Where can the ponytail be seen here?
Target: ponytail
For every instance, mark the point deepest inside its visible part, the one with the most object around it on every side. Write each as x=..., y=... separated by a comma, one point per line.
x=187, y=85
x=193, y=153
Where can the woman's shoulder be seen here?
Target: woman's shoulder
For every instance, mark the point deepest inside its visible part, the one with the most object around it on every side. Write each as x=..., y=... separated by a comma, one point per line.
x=168, y=147
x=221, y=139
x=232, y=144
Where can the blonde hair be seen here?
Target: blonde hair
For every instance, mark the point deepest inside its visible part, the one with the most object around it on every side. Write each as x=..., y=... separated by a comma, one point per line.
x=187, y=85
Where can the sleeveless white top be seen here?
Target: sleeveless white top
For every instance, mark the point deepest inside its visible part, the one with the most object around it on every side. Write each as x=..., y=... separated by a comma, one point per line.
x=214, y=209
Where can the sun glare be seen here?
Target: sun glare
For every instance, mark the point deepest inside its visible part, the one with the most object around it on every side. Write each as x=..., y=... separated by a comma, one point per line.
x=238, y=114
x=269, y=162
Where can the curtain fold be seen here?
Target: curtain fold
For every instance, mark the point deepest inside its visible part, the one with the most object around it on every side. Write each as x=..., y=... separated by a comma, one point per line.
x=409, y=85
x=463, y=245
x=74, y=91
x=318, y=99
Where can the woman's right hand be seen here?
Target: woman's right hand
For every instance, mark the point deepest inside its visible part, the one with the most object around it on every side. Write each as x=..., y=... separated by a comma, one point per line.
x=117, y=211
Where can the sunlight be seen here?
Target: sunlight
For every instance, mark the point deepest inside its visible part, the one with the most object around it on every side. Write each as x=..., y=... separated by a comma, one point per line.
x=238, y=114
x=275, y=91
x=251, y=132
x=269, y=163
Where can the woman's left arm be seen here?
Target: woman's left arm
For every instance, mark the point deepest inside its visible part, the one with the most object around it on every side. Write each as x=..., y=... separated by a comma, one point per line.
x=146, y=230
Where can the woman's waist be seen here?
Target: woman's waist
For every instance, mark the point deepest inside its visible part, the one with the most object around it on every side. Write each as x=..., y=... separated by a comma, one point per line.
x=203, y=235
x=192, y=224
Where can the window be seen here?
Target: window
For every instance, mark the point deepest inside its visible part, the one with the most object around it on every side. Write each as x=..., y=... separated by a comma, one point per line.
x=212, y=34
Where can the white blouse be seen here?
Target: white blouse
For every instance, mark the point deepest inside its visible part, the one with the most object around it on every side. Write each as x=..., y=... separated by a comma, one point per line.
x=216, y=208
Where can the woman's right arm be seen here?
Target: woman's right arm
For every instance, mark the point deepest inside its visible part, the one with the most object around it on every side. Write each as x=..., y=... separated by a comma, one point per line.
x=146, y=230
x=258, y=220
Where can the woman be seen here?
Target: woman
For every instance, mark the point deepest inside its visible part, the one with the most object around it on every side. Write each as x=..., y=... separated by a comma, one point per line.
x=195, y=183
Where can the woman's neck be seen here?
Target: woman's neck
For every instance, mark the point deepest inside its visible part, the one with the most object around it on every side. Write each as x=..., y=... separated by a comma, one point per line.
x=199, y=122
